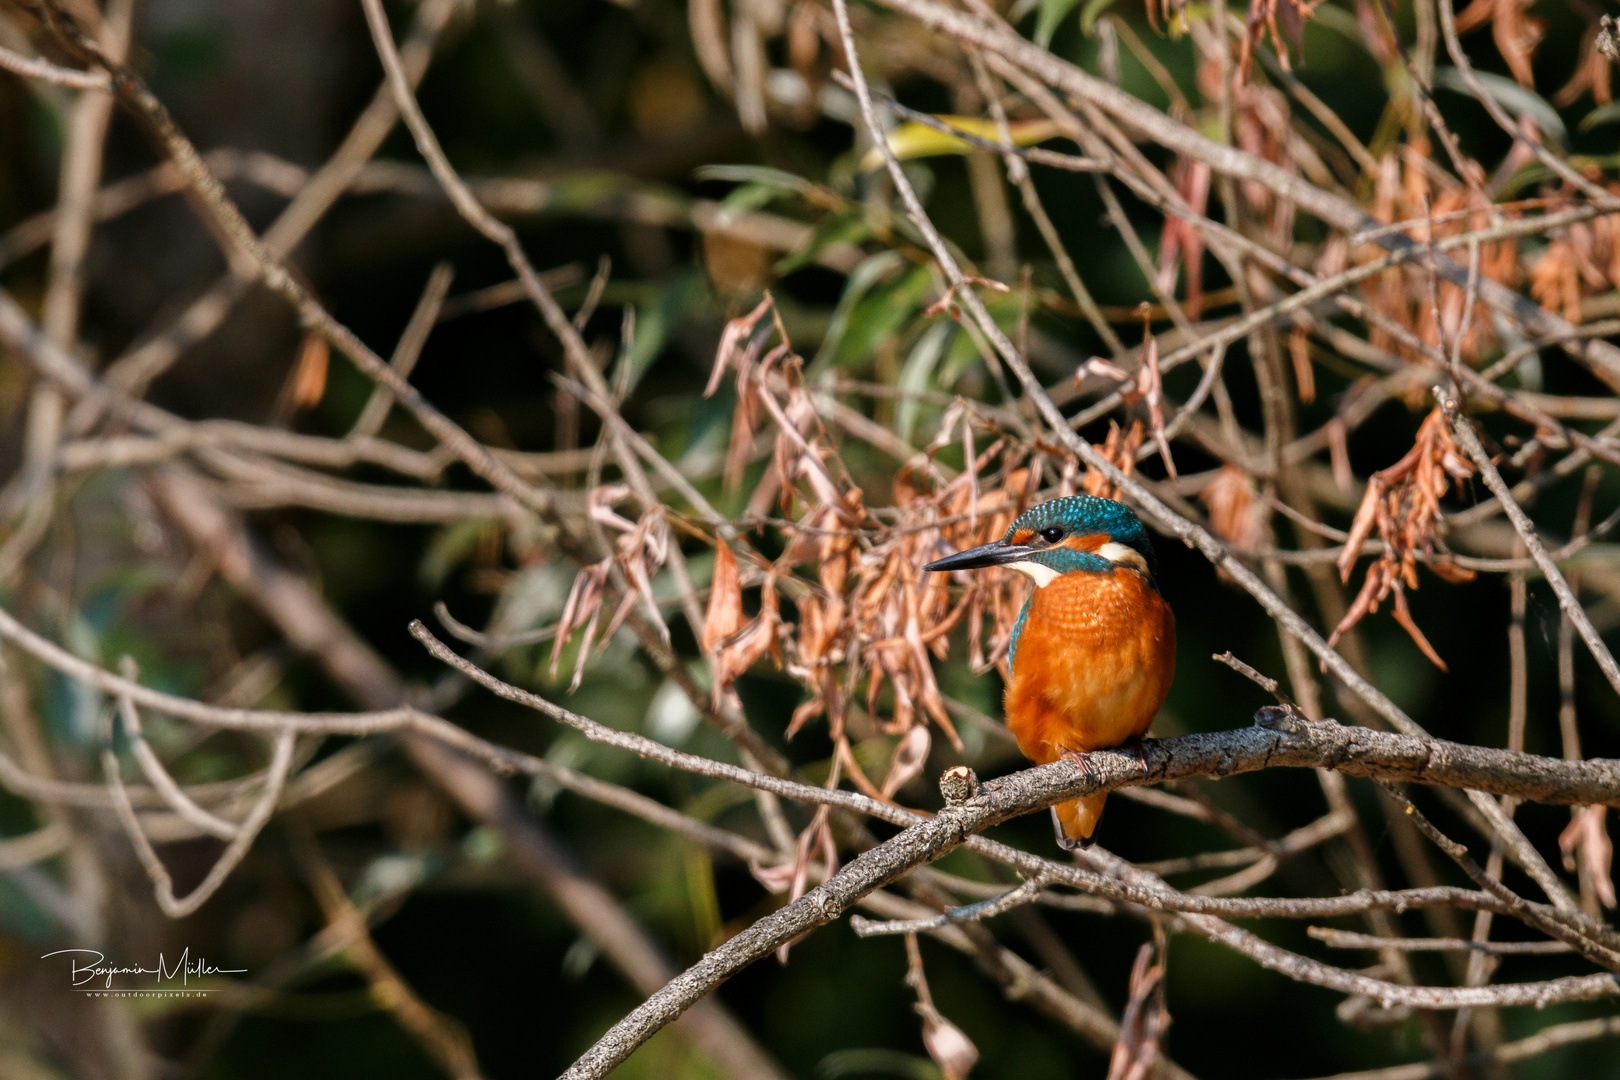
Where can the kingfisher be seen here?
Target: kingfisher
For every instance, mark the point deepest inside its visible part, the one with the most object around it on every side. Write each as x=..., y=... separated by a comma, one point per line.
x=1094, y=649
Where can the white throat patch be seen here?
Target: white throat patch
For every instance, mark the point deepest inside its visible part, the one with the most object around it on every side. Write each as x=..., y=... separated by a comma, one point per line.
x=1041, y=574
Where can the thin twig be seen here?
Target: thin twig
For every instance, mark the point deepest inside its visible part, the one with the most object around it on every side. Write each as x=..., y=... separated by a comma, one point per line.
x=235, y=851
x=30, y=67
x=1345, y=939
x=984, y=909
x=1526, y=529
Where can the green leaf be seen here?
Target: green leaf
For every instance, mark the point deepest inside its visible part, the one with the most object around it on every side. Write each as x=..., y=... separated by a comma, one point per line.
x=964, y=350
x=861, y=280
x=914, y=139
x=657, y=320
x=1603, y=114
x=1510, y=95
x=23, y=916
x=1533, y=173
x=756, y=174
x=581, y=191
x=745, y=198
x=1341, y=22
x=848, y=228
x=917, y=374
x=1091, y=13
x=451, y=546
x=880, y=316
x=531, y=597
x=1053, y=12
x=876, y=1062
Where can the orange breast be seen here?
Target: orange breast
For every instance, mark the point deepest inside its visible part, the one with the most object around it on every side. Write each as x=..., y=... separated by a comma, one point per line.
x=1093, y=665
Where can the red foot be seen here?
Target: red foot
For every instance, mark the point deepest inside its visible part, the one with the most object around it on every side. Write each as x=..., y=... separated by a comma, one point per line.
x=1080, y=759
x=1138, y=747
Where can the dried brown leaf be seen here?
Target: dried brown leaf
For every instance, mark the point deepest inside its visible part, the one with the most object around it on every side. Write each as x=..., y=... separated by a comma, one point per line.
x=910, y=755
x=1362, y=527
x=1152, y=387
x=1586, y=846
x=309, y=378
x=1143, y=1024
x=1299, y=351
x=948, y=1045
x=725, y=613
x=1234, y=513
x=1338, y=434
x=1403, y=503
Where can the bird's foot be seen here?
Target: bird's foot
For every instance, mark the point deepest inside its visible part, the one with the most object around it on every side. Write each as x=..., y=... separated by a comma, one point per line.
x=1138, y=748
x=1081, y=759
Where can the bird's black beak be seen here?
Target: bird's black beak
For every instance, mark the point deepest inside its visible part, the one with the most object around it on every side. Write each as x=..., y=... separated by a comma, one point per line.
x=999, y=553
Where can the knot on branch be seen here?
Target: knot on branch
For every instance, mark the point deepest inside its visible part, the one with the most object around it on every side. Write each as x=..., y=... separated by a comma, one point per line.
x=958, y=785
x=1446, y=398
x=1283, y=719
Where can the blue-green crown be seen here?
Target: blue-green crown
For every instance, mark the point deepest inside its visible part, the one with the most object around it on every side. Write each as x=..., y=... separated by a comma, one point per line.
x=1084, y=515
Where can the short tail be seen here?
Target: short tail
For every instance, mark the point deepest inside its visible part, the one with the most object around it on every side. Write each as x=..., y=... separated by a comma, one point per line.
x=1076, y=821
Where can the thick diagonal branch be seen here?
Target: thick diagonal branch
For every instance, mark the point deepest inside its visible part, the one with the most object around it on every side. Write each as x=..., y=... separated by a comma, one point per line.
x=1278, y=739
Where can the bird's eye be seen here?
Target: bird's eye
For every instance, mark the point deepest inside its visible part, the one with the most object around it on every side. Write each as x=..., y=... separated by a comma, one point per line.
x=1052, y=535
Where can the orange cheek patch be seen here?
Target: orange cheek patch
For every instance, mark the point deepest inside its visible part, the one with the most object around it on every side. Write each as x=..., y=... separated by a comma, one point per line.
x=1023, y=536
x=1086, y=543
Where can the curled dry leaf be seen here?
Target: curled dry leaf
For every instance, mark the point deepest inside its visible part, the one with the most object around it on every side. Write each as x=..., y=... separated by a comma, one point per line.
x=1583, y=262
x=1591, y=74
x=639, y=551
x=1403, y=503
x=1120, y=449
x=948, y=1045
x=738, y=652
x=1235, y=514
x=1284, y=20
x=1299, y=351
x=910, y=755
x=725, y=613
x=1151, y=387
x=776, y=879
x=583, y=608
x=732, y=351
x=1338, y=434
x=640, y=554
x=1102, y=369
x=1555, y=280
x=1515, y=33
x=739, y=350
x=1587, y=848
x=1405, y=297
x=1181, y=244
x=1142, y=1027
x=817, y=835
x=309, y=377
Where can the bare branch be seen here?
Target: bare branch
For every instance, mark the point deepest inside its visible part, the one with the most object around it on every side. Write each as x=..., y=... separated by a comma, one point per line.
x=1345, y=939
x=235, y=851
x=1526, y=529
x=30, y=67
x=984, y=909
